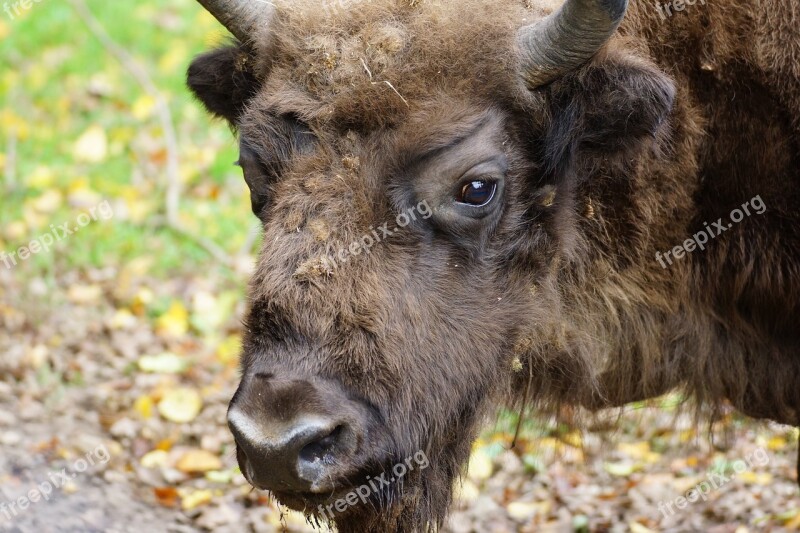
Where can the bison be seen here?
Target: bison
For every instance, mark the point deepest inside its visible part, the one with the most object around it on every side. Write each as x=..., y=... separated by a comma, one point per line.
x=470, y=203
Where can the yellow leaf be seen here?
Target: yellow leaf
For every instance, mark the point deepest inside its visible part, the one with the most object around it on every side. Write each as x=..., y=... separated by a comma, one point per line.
x=13, y=123
x=155, y=459
x=176, y=57
x=620, y=469
x=142, y=299
x=196, y=499
x=16, y=231
x=522, y=511
x=92, y=145
x=776, y=443
x=33, y=218
x=180, y=405
x=122, y=319
x=84, y=198
x=636, y=527
x=480, y=466
x=175, y=322
x=48, y=202
x=764, y=478
x=639, y=451
x=198, y=462
x=466, y=491
x=573, y=438
x=38, y=76
x=220, y=476
x=42, y=177
x=4, y=30
x=793, y=524
x=84, y=294
x=144, y=406
x=164, y=363
x=143, y=107
x=229, y=349
x=165, y=445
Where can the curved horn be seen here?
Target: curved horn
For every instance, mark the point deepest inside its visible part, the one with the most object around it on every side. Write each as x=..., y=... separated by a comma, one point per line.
x=242, y=17
x=567, y=38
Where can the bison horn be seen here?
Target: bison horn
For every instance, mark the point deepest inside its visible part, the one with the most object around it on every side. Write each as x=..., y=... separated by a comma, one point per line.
x=567, y=38
x=243, y=18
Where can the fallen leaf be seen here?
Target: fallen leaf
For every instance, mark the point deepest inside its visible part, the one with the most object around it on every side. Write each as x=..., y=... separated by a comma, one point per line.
x=522, y=511
x=48, y=202
x=143, y=107
x=92, y=145
x=180, y=405
x=144, y=406
x=163, y=363
x=155, y=459
x=84, y=198
x=198, y=462
x=480, y=466
x=776, y=443
x=196, y=499
x=229, y=349
x=620, y=469
x=84, y=294
x=16, y=231
x=220, y=476
x=42, y=177
x=753, y=478
x=175, y=322
x=166, y=496
x=122, y=319
x=636, y=527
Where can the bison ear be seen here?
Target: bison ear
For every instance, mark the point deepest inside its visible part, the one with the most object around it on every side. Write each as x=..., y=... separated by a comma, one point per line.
x=609, y=106
x=223, y=81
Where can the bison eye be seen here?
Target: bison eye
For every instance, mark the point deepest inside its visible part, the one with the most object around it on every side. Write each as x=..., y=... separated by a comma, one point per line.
x=477, y=193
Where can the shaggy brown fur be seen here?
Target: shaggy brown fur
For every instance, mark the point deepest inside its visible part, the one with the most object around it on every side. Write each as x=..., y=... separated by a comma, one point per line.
x=349, y=116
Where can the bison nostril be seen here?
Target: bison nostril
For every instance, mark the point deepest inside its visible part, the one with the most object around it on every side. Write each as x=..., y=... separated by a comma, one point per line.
x=290, y=456
x=324, y=446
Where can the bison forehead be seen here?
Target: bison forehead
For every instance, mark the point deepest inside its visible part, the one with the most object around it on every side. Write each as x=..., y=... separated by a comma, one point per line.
x=367, y=63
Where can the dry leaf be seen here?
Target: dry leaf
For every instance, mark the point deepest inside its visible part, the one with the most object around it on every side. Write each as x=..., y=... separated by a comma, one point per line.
x=196, y=499
x=180, y=405
x=198, y=462
x=164, y=363
x=175, y=322
x=155, y=459
x=92, y=145
x=144, y=406
x=166, y=496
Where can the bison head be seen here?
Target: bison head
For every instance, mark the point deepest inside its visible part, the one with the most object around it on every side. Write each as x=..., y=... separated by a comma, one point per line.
x=420, y=170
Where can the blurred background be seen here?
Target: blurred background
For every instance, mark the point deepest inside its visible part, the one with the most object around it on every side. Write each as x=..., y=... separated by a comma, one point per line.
x=126, y=241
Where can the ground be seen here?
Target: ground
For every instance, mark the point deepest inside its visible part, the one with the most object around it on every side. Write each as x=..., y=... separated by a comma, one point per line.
x=119, y=335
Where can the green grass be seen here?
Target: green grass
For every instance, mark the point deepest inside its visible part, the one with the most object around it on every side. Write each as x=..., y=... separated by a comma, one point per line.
x=58, y=81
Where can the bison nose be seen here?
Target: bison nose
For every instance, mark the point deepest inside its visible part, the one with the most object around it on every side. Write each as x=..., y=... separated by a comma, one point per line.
x=290, y=459
x=282, y=447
